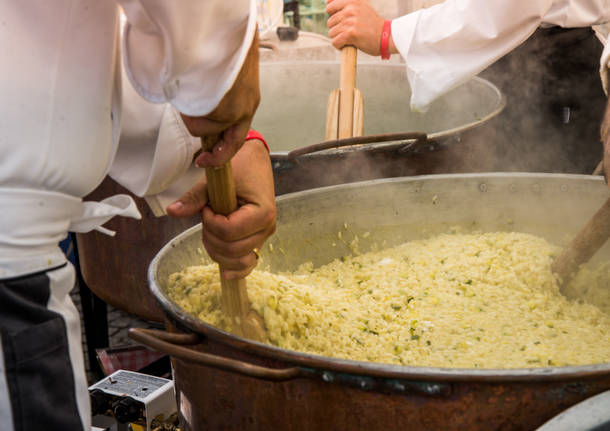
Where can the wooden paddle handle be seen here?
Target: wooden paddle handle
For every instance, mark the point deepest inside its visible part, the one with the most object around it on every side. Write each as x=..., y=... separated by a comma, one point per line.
x=347, y=84
x=223, y=200
x=586, y=243
x=221, y=187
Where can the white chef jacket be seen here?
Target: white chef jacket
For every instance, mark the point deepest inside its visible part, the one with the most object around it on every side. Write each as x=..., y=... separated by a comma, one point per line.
x=446, y=44
x=64, y=109
x=604, y=66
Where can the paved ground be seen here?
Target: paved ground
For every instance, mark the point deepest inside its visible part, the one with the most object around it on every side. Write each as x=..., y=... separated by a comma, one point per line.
x=119, y=323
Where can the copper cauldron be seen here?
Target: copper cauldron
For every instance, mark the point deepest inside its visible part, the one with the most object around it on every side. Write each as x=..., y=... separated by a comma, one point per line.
x=225, y=382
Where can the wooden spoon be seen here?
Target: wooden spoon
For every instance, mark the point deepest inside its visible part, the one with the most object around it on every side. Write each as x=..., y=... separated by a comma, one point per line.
x=234, y=296
x=345, y=109
x=586, y=243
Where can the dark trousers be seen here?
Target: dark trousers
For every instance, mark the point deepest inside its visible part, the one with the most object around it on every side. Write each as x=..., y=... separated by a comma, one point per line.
x=555, y=103
x=37, y=373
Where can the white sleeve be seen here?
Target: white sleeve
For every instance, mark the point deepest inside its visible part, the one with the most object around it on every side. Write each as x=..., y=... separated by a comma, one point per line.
x=186, y=52
x=155, y=148
x=446, y=44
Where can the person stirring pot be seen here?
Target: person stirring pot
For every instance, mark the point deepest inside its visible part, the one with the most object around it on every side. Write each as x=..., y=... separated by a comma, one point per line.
x=69, y=117
x=447, y=44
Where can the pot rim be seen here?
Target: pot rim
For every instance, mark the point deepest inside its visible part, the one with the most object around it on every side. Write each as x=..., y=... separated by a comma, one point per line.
x=435, y=136
x=365, y=368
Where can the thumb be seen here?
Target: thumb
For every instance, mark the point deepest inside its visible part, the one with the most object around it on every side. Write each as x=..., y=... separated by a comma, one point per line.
x=191, y=202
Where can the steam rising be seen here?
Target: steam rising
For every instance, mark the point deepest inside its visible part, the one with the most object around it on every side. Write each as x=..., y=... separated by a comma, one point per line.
x=555, y=103
x=550, y=123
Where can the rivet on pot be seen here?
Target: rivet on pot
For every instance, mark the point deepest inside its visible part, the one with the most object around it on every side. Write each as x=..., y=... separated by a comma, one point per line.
x=563, y=188
x=536, y=188
x=327, y=377
x=397, y=386
x=435, y=389
x=513, y=188
x=365, y=384
x=483, y=187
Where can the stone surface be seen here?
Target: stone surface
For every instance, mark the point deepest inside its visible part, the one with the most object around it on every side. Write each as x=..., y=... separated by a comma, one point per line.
x=119, y=323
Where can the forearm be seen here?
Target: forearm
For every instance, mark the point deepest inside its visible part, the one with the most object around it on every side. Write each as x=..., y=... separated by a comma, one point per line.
x=254, y=153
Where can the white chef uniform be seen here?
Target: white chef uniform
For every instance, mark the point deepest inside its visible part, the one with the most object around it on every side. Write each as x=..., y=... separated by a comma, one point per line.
x=604, y=67
x=446, y=44
x=61, y=116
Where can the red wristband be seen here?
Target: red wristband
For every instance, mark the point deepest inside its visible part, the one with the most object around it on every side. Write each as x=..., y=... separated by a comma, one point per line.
x=253, y=134
x=384, y=46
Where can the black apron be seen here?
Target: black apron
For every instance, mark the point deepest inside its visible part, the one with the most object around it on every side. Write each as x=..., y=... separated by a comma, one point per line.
x=38, y=370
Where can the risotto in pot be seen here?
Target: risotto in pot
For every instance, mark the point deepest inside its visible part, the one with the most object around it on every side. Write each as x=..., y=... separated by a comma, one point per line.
x=455, y=300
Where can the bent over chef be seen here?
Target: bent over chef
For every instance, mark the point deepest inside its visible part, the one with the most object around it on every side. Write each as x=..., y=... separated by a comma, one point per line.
x=68, y=118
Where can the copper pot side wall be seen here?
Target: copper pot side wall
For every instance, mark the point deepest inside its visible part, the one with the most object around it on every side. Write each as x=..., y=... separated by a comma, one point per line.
x=218, y=400
x=328, y=392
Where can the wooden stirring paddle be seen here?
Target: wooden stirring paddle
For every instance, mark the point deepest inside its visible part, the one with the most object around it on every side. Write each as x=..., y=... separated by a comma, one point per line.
x=583, y=246
x=223, y=199
x=596, y=232
x=345, y=109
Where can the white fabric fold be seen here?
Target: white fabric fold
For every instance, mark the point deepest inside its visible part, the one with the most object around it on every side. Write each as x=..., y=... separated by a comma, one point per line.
x=155, y=149
x=447, y=44
x=181, y=55
x=160, y=201
x=35, y=221
x=95, y=214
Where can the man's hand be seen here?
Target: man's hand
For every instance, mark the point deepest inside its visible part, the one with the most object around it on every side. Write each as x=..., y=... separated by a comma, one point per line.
x=231, y=240
x=605, y=137
x=355, y=22
x=233, y=115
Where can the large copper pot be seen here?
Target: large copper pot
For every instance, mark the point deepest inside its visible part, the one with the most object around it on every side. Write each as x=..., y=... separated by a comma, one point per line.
x=458, y=131
x=225, y=382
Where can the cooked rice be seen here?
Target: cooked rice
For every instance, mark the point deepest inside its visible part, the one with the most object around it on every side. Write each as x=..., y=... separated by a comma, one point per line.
x=456, y=300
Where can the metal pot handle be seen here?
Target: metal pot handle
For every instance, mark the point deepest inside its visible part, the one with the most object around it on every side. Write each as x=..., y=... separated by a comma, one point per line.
x=419, y=137
x=170, y=344
x=269, y=45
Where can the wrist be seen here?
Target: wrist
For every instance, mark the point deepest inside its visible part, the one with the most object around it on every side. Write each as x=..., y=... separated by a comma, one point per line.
x=254, y=135
x=253, y=153
x=384, y=43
